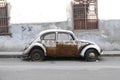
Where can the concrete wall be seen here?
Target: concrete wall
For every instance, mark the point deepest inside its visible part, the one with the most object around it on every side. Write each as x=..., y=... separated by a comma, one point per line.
x=107, y=37
x=22, y=34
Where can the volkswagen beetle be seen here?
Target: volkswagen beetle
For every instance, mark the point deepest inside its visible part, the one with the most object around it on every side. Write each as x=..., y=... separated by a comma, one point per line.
x=62, y=43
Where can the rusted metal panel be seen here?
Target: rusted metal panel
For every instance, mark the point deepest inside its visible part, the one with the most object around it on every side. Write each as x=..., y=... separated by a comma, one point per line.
x=60, y=48
x=67, y=49
x=85, y=14
x=51, y=51
x=50, y=46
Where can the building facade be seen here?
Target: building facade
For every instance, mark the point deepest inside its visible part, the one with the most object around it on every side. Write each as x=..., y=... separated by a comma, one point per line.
x=23, y=29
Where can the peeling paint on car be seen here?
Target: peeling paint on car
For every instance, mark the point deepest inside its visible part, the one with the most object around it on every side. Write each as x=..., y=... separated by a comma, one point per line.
x=67, y=48
x=63, y=47
x=49, y=43
x=51, y=51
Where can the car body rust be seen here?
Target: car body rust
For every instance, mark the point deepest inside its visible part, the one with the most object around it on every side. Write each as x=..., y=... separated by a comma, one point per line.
x=57, y=42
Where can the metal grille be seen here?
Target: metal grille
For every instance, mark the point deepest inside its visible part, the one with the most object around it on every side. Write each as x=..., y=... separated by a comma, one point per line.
x=85, y=14
x=3, y=17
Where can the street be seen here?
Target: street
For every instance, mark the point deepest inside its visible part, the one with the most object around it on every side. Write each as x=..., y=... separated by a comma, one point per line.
x=107, y=68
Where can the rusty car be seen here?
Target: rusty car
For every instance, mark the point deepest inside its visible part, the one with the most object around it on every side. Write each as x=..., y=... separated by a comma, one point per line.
x=61, y=43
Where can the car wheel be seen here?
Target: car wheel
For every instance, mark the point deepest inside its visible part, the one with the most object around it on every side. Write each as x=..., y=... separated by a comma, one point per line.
x=91, y=55
x=37, y=55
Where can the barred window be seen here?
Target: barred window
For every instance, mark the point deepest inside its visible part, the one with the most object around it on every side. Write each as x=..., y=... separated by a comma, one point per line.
x=85, y=14
x=4, y=17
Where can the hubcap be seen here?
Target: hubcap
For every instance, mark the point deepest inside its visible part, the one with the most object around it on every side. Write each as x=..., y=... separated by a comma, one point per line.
x=36, y=56
x=92, y=55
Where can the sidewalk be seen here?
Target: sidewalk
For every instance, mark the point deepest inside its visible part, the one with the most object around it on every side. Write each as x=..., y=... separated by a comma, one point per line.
x=10, y=54
x=19, y=54
x=111, y=53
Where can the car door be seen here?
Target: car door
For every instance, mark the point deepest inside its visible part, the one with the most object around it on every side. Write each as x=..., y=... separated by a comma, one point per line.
x=66, y=45
x=49, y=41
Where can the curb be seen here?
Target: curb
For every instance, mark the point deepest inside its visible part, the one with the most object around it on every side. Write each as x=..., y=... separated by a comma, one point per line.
x=111, y=53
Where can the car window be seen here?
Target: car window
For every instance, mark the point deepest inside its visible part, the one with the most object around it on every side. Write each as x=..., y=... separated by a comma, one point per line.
x=64, y=37
x=48, y=36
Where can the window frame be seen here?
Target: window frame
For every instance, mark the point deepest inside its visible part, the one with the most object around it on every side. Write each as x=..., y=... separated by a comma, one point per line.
x=43, y=36
x=67, y=34
x=86, y=21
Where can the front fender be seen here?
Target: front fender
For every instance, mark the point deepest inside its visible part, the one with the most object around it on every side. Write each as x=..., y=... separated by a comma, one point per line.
x=88, y=47
x=27, y=50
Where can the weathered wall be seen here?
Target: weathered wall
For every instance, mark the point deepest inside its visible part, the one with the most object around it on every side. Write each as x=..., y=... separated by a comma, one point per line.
x=107, y=37
x=22, y=34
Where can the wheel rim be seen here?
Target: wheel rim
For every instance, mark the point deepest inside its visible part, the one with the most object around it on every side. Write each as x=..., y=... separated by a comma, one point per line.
x=36, y=56
x=92, y=55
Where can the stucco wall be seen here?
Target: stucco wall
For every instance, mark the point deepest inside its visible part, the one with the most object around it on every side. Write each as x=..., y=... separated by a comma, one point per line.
x=22, y=34
x=107, y=36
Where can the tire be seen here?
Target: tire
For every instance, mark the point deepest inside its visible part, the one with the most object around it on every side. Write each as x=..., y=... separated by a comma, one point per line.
x=91, y=55
x=37, y=55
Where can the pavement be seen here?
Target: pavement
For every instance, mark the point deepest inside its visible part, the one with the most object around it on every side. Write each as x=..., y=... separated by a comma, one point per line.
x=108, y=68
x=19, y=54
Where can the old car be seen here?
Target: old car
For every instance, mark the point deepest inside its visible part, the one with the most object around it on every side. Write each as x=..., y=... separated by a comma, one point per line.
x=61, y=43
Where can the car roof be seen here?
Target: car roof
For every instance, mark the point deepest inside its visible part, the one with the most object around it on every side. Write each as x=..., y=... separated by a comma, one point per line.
x=55, y=30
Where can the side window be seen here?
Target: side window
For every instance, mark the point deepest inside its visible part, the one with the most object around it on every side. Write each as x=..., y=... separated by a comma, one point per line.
x=48, y=36
x=64, y=37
